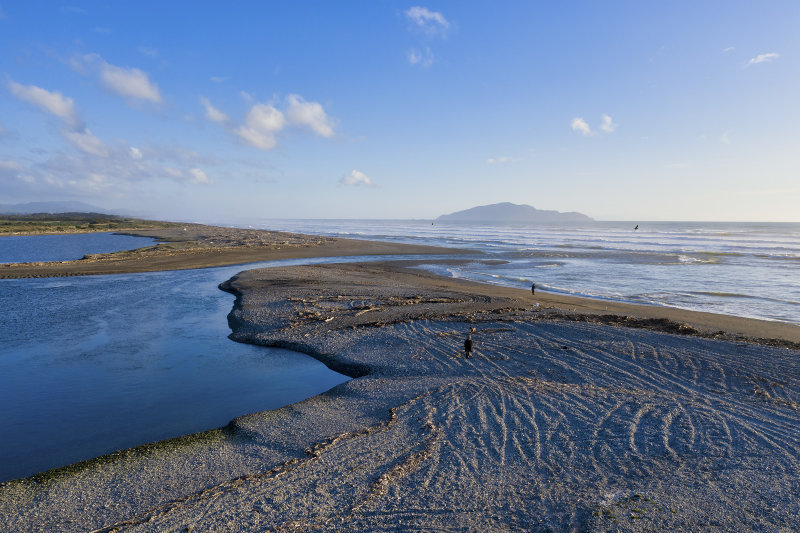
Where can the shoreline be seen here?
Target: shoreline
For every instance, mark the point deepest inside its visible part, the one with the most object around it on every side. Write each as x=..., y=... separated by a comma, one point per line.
x=420, y=428
x=190, y=246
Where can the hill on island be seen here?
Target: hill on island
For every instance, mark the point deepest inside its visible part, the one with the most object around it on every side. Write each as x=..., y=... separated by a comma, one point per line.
x=508, y=213
x=51, y=207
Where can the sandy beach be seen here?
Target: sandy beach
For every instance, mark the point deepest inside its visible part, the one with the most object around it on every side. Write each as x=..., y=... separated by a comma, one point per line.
x=571, y=415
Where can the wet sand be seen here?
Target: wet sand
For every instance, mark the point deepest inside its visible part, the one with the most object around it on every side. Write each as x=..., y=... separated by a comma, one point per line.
x=561, y=420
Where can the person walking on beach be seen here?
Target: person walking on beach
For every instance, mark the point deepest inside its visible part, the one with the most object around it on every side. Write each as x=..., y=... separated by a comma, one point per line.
x=533, y=288
x=468, y=346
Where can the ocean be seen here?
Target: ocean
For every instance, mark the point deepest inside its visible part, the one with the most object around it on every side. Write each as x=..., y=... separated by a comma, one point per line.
x=742, y=269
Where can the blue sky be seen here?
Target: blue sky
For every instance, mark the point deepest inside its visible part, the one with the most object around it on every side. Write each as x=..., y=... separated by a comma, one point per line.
x=231, y=111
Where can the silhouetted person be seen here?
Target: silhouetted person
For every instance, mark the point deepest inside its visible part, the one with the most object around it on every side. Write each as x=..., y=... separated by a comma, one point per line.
x=468, y=346
x=533, y=288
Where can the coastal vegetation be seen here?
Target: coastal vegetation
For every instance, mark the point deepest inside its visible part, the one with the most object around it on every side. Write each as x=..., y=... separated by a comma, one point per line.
x=40, y=223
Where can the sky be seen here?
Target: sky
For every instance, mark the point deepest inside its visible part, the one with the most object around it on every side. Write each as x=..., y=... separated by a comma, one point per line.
x=236, y=111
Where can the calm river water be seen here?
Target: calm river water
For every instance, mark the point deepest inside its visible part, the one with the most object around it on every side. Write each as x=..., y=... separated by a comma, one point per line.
x=89, y=365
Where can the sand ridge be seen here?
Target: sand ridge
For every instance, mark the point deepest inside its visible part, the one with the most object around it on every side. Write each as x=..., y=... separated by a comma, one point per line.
x=553, y=424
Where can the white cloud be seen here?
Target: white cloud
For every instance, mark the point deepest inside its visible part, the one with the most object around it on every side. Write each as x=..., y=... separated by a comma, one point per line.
x=130, y=83
x=578, y=124
x=212, y=113
x=763, y=58
x=729, y=49
x=198, y=177
x=52, y=102
x=261, y=125
x=725, y=139
x=64, y=108
x=431, y=22
x=356, y=178
x=219, y=79
x=135, y=153
x=423, y=58
x=608, y=125
x=309, y=114
x=499, y=160
x=84, y=141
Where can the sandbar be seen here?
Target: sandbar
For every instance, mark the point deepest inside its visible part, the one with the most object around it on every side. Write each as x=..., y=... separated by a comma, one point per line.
x=564, y=418
x=188, y=246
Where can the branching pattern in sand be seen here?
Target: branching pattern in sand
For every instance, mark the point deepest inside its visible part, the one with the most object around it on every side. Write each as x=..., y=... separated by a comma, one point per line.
x=551, y=425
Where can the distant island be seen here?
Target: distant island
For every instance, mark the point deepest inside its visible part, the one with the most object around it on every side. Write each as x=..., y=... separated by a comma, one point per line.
x=506, y=212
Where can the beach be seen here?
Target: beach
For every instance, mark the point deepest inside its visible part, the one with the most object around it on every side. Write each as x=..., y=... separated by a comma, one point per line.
x=571, y=414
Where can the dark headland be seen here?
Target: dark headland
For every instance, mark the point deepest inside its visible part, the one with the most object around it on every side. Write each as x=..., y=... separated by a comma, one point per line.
x=508, y=213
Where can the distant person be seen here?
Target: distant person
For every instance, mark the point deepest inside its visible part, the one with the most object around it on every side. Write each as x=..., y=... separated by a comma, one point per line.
x=533, y=288
x=468, y=346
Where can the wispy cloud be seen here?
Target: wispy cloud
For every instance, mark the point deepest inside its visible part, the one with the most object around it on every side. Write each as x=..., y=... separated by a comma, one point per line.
x=8, y=165
x=608, y=124
x=498, y=160
x=84, y=141
x=128, y=82
x=85, y=173
x=580, y=125
x=423, y=58
x=58, y=105
x=356, y=178
x=311, y=114
x=725, y=139
x=219, y=79
x=212, y=113
x=148, y=51
x=52, y=102
x=729, y=49
x=763, y=58
x=430, y=22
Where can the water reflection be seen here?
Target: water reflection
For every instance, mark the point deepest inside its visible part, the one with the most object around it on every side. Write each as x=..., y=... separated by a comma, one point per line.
x=90, y=365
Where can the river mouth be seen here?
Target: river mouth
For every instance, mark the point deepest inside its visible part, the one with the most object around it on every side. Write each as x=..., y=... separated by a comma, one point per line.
x=91, y=365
